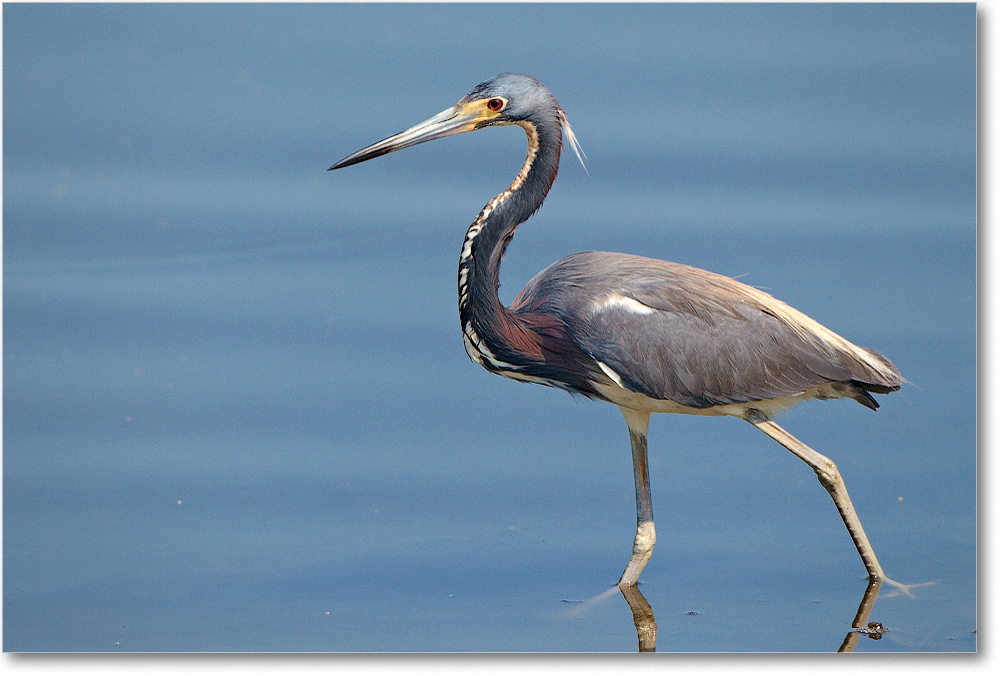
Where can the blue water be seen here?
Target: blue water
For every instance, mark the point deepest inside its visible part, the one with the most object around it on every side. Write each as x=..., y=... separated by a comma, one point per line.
x=238, y=415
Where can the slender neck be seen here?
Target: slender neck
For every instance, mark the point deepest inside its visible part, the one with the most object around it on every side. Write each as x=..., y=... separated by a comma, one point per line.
x=491, y=232
x=518, y=344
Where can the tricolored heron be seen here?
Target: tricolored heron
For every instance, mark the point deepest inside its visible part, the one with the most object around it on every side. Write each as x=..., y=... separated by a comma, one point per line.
x=645, y=334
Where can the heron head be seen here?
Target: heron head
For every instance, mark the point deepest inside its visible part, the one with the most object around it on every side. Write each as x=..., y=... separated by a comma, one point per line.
x=508, y=98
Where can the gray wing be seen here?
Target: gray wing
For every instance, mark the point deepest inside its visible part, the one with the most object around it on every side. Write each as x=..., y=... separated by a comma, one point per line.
x=675, y=332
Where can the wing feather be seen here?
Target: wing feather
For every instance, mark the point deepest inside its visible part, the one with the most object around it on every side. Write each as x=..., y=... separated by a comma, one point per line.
x=671, y=331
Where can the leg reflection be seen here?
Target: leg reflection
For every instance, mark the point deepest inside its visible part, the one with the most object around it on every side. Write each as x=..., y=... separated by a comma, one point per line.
x=861, y=624
x=645, y=623
x=642, y=614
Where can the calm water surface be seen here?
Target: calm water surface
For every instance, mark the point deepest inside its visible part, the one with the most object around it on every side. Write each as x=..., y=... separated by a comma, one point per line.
x=238, y=415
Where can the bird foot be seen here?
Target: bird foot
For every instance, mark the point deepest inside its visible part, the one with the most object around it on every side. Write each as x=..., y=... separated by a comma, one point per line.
x=904, y=589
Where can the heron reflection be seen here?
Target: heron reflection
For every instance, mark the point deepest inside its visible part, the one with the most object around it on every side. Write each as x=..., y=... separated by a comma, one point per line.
x=645, y=621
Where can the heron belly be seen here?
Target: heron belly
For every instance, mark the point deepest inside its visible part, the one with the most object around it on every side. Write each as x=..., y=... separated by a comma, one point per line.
x=613, y=391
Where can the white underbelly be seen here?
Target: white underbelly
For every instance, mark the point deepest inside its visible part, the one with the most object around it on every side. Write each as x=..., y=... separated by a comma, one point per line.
x=768, y=408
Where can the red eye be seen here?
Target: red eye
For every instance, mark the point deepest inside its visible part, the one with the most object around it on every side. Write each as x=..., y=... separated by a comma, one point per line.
x=495, y=104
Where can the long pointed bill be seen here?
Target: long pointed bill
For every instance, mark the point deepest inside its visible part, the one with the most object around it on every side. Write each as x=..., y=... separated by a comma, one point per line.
x=460, y=118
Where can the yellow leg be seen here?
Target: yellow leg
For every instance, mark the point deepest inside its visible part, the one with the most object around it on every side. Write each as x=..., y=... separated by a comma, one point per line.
x=645, y=532
x=830, y=477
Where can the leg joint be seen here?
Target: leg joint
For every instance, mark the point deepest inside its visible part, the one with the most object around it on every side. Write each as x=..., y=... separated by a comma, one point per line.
x=827, y=473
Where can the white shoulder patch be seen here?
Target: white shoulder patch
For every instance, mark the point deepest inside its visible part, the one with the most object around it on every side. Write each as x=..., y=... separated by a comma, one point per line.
x=610, y=373
x=615, y=300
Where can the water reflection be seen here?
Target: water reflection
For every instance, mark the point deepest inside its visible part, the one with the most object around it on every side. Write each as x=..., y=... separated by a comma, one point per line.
x=861, y=625
x=645, y=622
x=642, y=614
